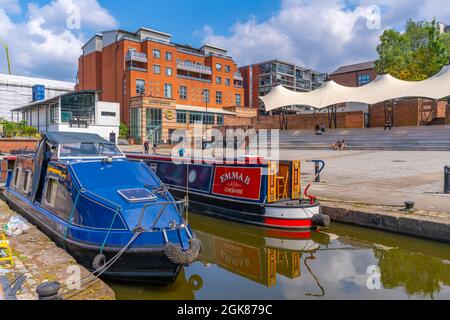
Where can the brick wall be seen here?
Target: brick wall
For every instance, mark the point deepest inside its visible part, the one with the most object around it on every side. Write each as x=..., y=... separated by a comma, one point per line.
x=10, y=144
x=310, y=121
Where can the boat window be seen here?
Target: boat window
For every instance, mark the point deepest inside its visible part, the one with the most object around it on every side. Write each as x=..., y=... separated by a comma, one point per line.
x=16, y=177
x=27, y=180
x=137, y=195
x=50, y=194
x=89, y=150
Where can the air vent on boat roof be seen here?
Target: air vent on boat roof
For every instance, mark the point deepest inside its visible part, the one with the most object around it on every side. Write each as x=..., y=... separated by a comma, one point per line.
x=137, y=195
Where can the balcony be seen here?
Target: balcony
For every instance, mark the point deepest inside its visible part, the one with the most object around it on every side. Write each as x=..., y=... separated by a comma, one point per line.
x=136, y=56
x=238, y=76
x=192, y=67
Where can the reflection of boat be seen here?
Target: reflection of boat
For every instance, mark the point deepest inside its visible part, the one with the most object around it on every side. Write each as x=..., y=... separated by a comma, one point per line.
x=250, y=190
x=103, y=209
x=255, y=253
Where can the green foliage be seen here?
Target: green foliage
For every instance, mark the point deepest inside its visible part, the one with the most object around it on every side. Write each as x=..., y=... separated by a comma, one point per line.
x=416, y=54
x=123, y=131
x=18, y=129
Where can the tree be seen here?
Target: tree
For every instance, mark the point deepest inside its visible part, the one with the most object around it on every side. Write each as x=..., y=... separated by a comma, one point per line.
x=123, y=131
x=416, y=54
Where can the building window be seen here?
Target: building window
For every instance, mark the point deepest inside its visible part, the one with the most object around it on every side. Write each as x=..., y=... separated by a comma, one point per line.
x=156, y=54
x=363, y=79
x=227, y=82
x=205, y=94
x=208, y=118
x=195, y=117
x=169, y=72
x=168, y=91
x=220, y=119
x=218, y=67
x=238, y=100
x=78, y=108
x=54, y=114
x=136, y=124
x=218, y=80
x=169, y=56
x=108, y=114
x=183, y=93
x=227, y=69
x=219, y=97
x=140, y=86
x=156, y=69
x=181, y=116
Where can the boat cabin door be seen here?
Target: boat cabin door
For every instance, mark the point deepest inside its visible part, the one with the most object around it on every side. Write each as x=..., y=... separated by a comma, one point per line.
x=41, y=159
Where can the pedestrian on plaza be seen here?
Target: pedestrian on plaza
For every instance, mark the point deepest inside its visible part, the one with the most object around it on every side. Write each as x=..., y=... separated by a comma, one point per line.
x=388, y=124
x=322, y=127
x=146, y=147
x=154, y=148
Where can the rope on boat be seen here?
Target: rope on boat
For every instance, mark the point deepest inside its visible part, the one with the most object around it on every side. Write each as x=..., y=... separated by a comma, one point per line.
x=109, y=230
x=72, y=213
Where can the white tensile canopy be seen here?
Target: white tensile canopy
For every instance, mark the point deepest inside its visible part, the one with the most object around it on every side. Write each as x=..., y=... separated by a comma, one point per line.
x=383, y=88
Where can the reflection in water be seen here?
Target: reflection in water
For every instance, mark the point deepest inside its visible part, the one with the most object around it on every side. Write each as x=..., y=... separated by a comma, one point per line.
x=245, y=262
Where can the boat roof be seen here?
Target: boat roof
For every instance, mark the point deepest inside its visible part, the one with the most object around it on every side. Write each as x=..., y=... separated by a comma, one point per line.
x=74, y=137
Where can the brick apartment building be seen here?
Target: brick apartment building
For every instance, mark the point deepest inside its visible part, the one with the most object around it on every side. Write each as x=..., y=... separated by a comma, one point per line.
x=163, y=86
x=261, y=77
x=401, y=112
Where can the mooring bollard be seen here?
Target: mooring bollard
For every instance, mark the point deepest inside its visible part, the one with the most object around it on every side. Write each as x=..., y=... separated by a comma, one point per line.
x=446, y=179
x=48, y=291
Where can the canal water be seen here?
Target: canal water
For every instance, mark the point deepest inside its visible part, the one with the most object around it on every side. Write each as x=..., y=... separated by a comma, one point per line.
x=343, y=262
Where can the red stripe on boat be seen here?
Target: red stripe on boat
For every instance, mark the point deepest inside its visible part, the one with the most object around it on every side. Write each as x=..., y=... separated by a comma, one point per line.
x=289, y=234
x=288, y=222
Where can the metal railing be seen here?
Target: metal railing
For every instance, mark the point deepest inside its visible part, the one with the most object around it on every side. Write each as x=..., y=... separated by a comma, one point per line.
x=138, y=56
x=193, y=67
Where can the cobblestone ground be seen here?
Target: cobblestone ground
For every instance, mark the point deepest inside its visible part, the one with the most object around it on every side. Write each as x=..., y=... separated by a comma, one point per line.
x=36, y=256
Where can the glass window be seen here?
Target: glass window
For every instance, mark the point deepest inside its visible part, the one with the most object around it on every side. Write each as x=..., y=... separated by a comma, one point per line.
x=54, y=114
x=27, y=180
x=154, y=125
x=169, y=72
x=227, y=82
x=218, y=97
x=208, y=118
x=169, y=56
x=363, y=79
x=135, y=127
x=183, y=92
x=140, y=86
x=78, y=108
x=156, y=69
x=168, y=90
x=156, y=54
x=195, y=117
x=181, y=116
x=89, y=150
x=220, y=119
x=218, y=67
x=238, y=100
x=227, y=69
x=205, y=94
x=108, y=114
x=218, y=80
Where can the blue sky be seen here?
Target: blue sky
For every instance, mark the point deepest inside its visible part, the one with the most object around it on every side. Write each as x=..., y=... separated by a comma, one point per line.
x=318, y=34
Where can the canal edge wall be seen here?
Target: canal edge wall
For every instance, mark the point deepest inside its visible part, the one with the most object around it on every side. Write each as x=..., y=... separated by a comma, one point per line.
x=41, y=260
x=415, y=224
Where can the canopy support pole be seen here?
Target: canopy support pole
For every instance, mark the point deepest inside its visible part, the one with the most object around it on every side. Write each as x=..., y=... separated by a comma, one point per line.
x=332, y=116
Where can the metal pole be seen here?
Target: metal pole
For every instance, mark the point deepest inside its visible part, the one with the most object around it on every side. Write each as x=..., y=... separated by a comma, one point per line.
x=447, y=179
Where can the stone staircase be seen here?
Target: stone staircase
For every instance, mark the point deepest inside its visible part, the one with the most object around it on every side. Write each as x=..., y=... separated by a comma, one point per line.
x=429, y=138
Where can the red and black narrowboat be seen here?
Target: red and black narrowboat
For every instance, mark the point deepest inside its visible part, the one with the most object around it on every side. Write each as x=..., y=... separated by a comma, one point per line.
x=250, y=190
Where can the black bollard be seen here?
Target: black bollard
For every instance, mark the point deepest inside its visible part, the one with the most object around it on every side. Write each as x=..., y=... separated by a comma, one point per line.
x=447, y=179
x=48, y=291
x=317, y=170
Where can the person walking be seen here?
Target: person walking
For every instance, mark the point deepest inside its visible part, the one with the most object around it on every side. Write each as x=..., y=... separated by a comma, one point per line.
x=146, y=147
x=154, y=148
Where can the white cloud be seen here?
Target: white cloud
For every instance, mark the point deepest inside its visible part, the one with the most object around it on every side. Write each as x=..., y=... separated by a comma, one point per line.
x=321, y=34
x=42, y=45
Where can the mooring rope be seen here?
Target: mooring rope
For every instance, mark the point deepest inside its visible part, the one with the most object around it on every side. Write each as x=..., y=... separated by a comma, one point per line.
x=72, y=213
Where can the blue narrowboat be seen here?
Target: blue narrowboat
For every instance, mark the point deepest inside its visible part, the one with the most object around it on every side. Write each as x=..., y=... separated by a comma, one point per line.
x=250, y=189
x=112, y=215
